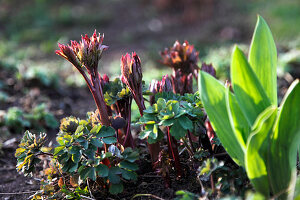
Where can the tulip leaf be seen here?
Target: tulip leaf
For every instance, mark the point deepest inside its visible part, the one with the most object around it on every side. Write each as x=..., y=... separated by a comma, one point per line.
x=212, y=94
x=237, y=119
x=247, y=88
x=257, y=150
x=263, y=58
x=285, y=142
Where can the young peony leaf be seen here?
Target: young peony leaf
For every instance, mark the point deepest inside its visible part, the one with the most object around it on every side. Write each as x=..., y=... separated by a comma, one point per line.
x=129, y=175
x=95, y=130
x=284, y=144
x=177, y=131
x=102, y=170
x=116, y=188
x=249, y=93
x=256, y=160
x=58, y=150
x=185, y=122
x=96, y=142
x=109, y=140
x=92, y=173
x=113, y=175
x=167, y=122
x=263, y=59
x=73, y=167
x=212, y=94
x=106, y=131
x=74, y=149
x=129, y=165
x=76, y=157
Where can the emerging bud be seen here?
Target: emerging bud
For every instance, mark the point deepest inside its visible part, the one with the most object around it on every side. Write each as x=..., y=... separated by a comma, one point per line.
x=132, y=76
x=86, y=53
x=166, y=84
x=69, y=125
x=181, y=57
x=209, y=69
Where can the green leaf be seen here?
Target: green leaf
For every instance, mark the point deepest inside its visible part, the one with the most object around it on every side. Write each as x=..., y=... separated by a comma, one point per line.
x=128, y=165
x=96, y=142
x=167, y=122
x=256, y=160
x=177, y=131
x=185, y=122
x=92, y=173
x=249, y=93
x=106, y=131
x=263, y=58
x=90, y=154
x=73, y=167
x=109, y=140
x=58, y=149
x=212, y=94
x=95, y=130
x=84, y=173
x=74, y=149
x=76, y=157
x=285, y=142
x=129, y=175
x=116, y=188
x=102, y=170
x=113, y=176
x=238, y=122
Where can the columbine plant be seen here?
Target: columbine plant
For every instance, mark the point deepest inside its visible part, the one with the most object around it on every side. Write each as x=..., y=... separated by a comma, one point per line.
x=256, y=133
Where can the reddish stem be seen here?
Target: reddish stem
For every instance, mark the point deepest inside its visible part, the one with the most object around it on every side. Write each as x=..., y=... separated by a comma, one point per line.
x=173, y=144
x=128, y=141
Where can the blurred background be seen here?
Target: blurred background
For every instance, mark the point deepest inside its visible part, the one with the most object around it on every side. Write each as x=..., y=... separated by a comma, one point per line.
x=33, y=77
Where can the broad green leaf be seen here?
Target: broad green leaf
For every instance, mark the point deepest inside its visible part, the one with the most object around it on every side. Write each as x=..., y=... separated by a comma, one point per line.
x=84, y=172
x=106, y=131
x=212, y=94
x=102, y=170
x=238, y=122
x=247, y=88
x=285, y=142
x=263, y=59
x=116, y=188
x=185, y=122
x=128, y=165
x=109, y=140
x=76, y=157
x=58, y=149
x=256, y=160
x=96, y=142
x=177, y=131
x=92, y=173
x=128, y=175
x=113, y=176
x=74, y=149
x=95, y=130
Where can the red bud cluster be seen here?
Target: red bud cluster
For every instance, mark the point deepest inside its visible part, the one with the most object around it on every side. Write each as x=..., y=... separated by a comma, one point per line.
x=132, y=76
x=87, y=53
x=183, y=59
x=165, y=85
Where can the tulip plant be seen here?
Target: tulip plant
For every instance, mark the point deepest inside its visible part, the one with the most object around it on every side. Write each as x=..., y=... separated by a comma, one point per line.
x=258, y=135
